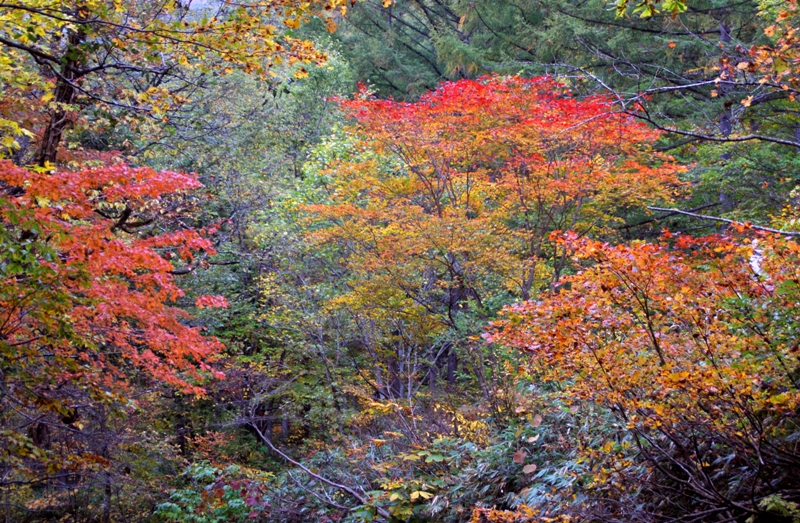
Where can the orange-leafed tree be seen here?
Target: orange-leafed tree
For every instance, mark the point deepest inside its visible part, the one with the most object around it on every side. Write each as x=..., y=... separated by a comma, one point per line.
x=447, y=204
x=692, y=345
x=88, y=316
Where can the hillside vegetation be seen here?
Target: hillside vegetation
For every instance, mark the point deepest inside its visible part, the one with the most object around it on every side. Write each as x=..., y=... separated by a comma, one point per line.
x=423, y=261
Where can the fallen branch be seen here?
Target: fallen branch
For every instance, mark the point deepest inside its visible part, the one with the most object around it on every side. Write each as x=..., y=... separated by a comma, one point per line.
x=361, y=499
x=309, y=491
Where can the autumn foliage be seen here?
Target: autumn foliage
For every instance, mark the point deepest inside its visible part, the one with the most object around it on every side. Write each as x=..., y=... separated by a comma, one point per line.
x=88, y=301
x=466, y=185
x=691, y=344
x=454, y=308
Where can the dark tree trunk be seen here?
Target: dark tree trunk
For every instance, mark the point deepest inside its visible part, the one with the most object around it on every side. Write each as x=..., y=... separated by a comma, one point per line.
x=452, y=366
x=182, y=425
x=63, y=96
x=433, y=370
x=105, y=453
x=395, y=382
x=285, y=429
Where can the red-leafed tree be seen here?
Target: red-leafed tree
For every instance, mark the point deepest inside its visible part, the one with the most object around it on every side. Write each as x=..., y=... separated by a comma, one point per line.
x=447, y=204
x=87, y=312
x=504, y=159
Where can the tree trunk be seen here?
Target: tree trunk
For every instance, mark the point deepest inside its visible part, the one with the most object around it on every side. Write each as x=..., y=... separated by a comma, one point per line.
x=285, y=429
x=433, y=370
x=381, y=392
x=105, y=453
x=63, y=96
x=452, y=366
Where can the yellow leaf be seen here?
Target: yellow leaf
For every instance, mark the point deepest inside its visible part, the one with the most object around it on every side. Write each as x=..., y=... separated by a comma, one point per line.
x=780, y=65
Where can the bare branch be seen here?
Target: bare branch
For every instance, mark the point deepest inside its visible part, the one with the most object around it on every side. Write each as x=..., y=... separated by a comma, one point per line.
x=361, y=499
x=656, y=218
x=724, y=220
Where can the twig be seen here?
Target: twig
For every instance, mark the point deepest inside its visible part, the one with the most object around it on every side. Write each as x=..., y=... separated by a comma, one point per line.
x=711, y=138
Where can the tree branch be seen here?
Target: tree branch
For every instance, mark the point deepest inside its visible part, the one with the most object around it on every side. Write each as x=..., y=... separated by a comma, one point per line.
x=723, y=139
x=724, y=220
x=361, y=499
x=656, y=218
x=308, y=490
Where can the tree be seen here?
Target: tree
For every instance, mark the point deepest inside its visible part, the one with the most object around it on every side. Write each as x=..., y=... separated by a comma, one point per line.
x=87, y=298
x=147, y=58
x=691, y=344
x=443, y=209
x=393, y=45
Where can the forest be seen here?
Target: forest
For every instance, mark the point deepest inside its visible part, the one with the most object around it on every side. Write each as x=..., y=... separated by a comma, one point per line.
x=422, y=261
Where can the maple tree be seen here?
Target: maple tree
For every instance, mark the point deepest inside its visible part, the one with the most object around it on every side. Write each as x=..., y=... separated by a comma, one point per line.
x=446, y=205
x=88, y=300
x=691, y=344
x=777, y=64
x=501, y=162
